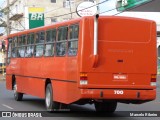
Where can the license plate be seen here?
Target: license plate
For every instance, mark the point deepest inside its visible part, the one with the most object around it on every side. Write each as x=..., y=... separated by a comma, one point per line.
x=120, y=77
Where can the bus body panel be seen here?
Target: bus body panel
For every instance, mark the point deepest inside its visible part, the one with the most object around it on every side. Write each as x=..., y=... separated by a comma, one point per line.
x=65, y=92
x=119, y=94
x=9, y=82
x=126, y=49
x=32, y=81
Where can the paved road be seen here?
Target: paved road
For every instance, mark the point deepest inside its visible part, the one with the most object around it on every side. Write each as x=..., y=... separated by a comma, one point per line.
x=30, y=103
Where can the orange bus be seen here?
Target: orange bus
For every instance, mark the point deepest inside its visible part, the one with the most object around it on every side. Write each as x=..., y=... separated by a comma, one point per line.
x=100, y=60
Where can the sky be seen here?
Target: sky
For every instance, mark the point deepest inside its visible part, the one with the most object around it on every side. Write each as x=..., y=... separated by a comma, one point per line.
x=108, y=5
x=1, y=1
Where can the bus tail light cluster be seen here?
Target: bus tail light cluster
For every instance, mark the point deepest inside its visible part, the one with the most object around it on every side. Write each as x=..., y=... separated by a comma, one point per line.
x=153, y=80
x=83, y=79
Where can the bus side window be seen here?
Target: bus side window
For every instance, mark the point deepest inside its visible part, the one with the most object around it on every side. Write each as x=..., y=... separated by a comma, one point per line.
x=39, y=47
x=14, y=47
x=50, y=41
x=73, y=40
x=9, y=50
x=61, y=44
x=19, y=44
x=30, y=45
x=21, y=48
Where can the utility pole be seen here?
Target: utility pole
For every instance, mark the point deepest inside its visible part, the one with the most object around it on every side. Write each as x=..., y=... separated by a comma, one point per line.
x=7, y=22
x=70, y=8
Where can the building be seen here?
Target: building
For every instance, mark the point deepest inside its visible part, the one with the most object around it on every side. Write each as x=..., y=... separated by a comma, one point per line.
x=51, y=11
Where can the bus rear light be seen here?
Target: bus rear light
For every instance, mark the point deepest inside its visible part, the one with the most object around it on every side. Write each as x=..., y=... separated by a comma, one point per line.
x=83, y=79
x=153, y=80
x=83, y=74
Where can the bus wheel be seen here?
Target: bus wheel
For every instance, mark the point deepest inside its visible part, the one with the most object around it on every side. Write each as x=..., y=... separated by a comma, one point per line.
x=51, y=105
x=17, y=96
x=109, y=107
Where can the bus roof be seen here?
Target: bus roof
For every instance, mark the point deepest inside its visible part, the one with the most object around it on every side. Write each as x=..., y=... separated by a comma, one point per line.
x=45, y=27
x=66, y=23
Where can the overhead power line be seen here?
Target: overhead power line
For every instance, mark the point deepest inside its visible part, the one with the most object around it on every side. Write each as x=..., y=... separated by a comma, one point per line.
x=85, y=9
x=81, y=9
x=16, y=29
x=128, y=8
x=94, y=6
x=60, y=7
x=106, y=10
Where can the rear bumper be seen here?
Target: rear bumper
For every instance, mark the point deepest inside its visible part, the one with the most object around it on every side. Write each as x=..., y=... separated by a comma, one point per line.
x=118, y=94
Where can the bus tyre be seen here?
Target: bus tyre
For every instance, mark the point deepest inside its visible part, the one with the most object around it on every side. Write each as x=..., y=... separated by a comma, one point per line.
x=109, y=107
x=17, y=96
x=51, y=105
